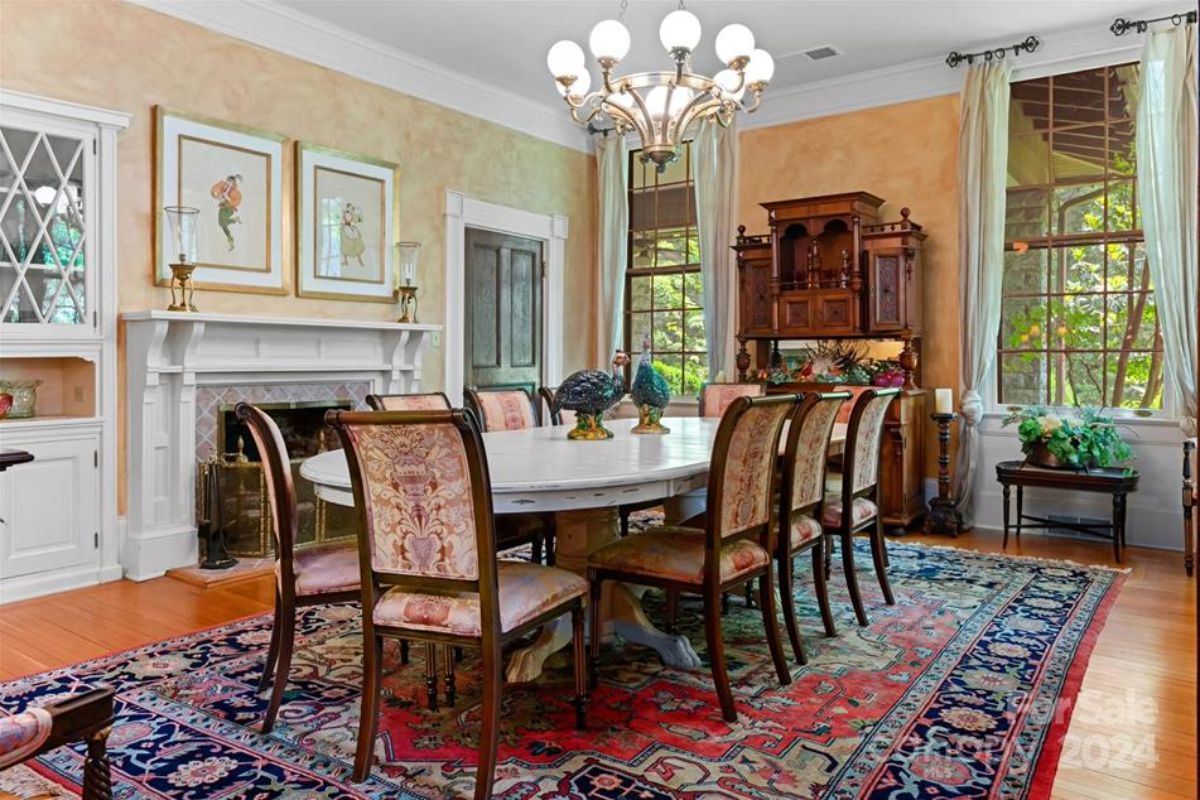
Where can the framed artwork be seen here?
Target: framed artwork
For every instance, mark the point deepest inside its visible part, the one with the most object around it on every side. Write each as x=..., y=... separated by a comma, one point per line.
x=344, y=225
x=234, y=176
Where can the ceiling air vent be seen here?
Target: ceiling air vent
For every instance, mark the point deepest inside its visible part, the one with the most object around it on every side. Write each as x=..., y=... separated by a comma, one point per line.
x=818, y=53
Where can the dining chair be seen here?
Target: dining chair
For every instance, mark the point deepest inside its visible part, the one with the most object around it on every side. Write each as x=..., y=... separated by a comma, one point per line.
x=429, y=401
x=733, y=547
x=426, y=540
x=82, y=716
x=507, y=409
x=801, y=497
x=564, y=416
x=314, y=575
x=716, y=397
x=860, y=494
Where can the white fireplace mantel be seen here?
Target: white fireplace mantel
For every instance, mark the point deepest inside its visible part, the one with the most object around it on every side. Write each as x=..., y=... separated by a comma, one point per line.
x=168, y=354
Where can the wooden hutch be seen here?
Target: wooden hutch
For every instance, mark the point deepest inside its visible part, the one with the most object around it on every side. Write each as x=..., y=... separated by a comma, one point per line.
x=830, y=269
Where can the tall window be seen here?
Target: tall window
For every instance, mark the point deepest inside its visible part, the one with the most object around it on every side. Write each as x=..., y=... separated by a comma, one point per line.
x=663, y=296
x=1078, y=322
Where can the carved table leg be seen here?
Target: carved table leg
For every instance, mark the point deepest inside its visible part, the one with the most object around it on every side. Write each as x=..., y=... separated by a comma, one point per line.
x=579, y=533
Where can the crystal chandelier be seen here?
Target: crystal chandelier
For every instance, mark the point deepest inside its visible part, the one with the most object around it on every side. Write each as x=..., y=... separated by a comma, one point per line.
x=661, y=106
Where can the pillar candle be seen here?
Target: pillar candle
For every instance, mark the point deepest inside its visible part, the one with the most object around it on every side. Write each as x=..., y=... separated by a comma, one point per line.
x=943, y=401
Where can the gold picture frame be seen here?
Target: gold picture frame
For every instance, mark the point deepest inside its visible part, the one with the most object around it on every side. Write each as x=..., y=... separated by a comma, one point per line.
x=234, y=175
x=346, y=206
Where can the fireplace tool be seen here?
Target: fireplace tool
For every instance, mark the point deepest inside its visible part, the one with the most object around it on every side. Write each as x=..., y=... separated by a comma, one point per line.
x=212, y=530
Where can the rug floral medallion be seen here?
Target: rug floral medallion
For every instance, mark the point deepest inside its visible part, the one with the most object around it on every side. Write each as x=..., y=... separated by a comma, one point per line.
x=961, y=689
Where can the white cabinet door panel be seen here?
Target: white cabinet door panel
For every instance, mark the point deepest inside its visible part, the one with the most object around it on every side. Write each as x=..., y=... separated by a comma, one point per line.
x=50, y=508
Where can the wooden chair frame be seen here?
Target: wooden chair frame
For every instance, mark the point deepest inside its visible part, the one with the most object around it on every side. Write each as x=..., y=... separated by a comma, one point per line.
x=376, y=401
x=87, y=716
x=546, y=395
x=873, y=526
x=491, y=639
x=712, y=586
x=785, y=554
x=273, y=454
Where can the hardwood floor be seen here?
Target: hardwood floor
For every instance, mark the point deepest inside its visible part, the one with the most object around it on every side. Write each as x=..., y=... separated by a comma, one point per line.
x=1133, y=733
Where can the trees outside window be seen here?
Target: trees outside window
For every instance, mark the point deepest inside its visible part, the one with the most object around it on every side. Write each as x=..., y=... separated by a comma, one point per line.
x=663, y=291
x=1078, y=320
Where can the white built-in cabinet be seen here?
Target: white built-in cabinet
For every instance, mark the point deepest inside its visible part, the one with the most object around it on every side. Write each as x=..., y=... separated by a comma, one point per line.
x=58, y=325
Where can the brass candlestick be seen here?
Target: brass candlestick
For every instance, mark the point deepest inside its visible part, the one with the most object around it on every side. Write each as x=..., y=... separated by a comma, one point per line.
x=943, y=517
x=182, y=225
x=406, y=296
x=181, y=276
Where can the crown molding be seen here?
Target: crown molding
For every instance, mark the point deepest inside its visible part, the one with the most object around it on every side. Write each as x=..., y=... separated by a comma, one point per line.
x=302, y=36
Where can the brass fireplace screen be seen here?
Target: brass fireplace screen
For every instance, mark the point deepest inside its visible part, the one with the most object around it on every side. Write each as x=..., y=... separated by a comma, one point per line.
x=232, y=500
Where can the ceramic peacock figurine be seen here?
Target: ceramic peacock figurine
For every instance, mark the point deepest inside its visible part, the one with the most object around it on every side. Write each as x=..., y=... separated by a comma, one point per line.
x=650, y=393
x=590, y=393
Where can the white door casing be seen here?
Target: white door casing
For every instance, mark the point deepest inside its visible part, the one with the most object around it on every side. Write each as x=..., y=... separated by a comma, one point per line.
x=464, y=212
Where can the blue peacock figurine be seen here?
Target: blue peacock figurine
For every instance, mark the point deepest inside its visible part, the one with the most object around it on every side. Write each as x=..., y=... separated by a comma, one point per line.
x=650, y=393
x=590, y=393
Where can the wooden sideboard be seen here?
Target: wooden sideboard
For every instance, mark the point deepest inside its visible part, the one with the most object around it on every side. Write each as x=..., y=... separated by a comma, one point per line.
x=901, y=456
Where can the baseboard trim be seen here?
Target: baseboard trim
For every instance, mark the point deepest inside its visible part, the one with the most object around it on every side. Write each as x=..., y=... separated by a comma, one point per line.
x=25, y=587
x=149, y=554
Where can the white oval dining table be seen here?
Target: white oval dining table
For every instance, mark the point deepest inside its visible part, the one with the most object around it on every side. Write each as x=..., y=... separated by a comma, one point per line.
x=583, y=483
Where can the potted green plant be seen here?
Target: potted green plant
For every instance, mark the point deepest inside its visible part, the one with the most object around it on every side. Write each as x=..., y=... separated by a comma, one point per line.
x=1086, y=439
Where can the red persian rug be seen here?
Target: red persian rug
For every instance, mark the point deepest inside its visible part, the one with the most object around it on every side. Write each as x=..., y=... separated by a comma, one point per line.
x=962, y=689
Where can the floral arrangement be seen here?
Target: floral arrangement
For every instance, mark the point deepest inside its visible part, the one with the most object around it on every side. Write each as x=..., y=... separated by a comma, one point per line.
x=1086, y=440
x=841, y=362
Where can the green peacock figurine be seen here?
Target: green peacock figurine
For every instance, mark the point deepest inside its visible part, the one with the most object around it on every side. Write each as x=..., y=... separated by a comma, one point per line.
x=650, y=394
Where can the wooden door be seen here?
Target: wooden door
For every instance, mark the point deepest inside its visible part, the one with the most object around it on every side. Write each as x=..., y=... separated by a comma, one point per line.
x=503, y=310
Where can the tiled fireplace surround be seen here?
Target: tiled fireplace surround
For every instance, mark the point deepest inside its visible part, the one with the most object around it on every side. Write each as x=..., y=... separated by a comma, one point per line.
x=181, y=368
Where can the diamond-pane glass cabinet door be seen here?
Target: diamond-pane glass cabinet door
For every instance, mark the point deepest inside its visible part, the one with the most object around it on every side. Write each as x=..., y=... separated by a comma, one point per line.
x=46, y=206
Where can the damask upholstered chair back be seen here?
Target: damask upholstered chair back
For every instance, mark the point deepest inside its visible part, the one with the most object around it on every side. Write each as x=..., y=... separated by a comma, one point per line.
x=716, y=397
x=281, y=490
x=421, y=487
x=430, y=401
x=745, y=452
x=502, y=409
x=864, y=436
x=807, y=446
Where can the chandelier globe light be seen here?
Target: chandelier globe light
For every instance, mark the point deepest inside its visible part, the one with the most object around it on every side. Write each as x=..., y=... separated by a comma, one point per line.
x=661, y=107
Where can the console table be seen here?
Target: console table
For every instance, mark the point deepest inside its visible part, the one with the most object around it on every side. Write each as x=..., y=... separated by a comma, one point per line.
x=1115, y=481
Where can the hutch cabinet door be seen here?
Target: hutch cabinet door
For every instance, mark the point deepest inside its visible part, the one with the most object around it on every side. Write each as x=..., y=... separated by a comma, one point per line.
x=48, y=204
x=50, y=508
x=886, y=301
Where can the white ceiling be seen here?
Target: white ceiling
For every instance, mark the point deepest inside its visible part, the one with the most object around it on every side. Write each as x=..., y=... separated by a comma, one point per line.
x=504, y=42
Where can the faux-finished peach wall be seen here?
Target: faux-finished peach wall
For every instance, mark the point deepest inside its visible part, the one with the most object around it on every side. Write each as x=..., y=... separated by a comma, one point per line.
x=120, y=56
x=906, y=154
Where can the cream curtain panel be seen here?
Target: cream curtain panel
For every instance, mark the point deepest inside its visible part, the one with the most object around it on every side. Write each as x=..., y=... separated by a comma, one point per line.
x=612, y=171
x=1166, y=167
x=982, y=174
x=715, y=167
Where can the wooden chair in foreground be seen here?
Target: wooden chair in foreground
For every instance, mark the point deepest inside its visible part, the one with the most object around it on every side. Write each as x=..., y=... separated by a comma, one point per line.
x=314, y=575
x=858, y=491
x=734, y=547
x=420, y=476
x=801, y=495
x=87, y=716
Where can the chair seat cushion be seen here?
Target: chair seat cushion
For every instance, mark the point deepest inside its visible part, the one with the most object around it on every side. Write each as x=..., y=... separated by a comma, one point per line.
x=22, y=734
x=526, y=592
x=325, y=569
x=863, y=510
x=804, y=530
x=677, y=554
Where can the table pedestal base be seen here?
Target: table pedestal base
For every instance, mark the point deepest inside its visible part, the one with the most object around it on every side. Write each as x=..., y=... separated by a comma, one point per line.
x=579, y=533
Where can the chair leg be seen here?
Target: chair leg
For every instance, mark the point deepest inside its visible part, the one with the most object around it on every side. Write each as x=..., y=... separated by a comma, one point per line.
x=852, y=578
x=97, y=775
x=287, y=641
x=821, y=585
x=724, y=603
x=828, y=562
x=766, y=601
x=450, y=685
x=716, y=655
x=581, y=679
x=485, y=774
x=431, y=693
x=404, y=651
x=879, y=556
x=749, y=593
x=273, y=649
x=536, y=546
x=594, y=588
x=551, y=542
x=788, y=601
x=368, y=717
x=672, y=610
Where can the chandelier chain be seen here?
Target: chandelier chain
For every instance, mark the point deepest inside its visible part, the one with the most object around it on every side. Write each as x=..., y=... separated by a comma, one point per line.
x=621, y=13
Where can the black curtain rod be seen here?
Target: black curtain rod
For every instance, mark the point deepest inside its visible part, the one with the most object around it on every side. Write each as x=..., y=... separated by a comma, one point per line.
x=1030, y=44
x=1121, y=25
